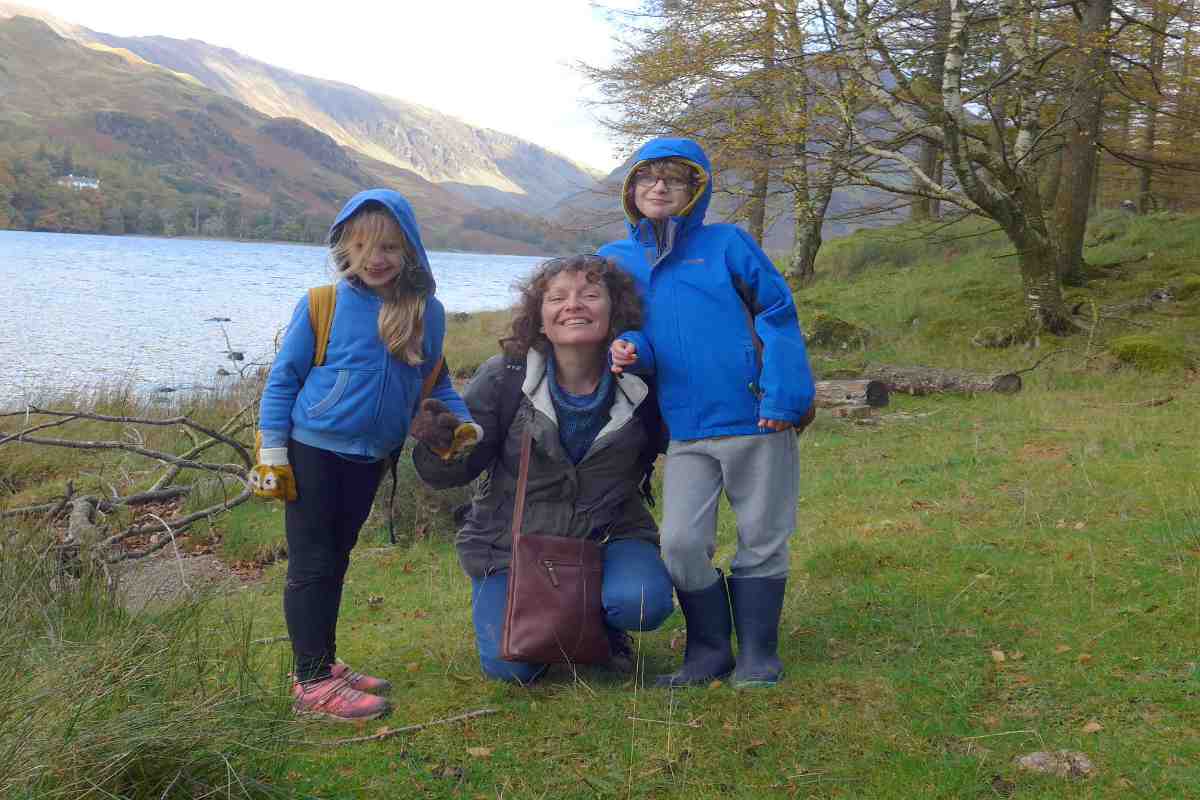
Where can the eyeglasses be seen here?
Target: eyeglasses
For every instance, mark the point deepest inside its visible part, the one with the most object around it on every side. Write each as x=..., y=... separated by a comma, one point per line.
x=647, y=180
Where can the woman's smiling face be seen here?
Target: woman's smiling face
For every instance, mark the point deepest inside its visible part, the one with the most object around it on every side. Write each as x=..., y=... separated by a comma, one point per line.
x=576, y=311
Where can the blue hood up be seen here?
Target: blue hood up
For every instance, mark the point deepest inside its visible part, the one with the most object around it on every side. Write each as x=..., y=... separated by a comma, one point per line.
x=692, y=214
x=395, y=204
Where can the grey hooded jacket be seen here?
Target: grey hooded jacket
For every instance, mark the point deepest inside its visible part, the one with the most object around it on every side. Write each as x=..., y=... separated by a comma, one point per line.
x=597, y=497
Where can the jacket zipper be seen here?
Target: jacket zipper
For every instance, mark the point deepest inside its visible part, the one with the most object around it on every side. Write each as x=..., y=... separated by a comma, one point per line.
x=550, y=569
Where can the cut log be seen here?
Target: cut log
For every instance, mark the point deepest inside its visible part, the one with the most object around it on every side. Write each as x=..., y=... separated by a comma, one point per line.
x=832, y=394
x=927, y=380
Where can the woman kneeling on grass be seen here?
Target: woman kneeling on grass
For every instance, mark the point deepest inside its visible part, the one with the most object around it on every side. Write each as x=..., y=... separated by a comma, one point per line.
x=585, y=468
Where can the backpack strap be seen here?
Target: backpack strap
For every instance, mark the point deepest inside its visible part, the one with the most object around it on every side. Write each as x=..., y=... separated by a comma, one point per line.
x=511, y=381
x=321, y=303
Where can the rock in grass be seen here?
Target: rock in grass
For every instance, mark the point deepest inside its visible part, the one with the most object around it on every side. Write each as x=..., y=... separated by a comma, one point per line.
x=1063, y=763
x=827, y=330
x=1149, y=353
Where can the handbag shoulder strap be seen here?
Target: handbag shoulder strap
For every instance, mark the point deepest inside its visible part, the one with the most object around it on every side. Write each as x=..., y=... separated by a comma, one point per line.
x=431, y=379
x=522, y=481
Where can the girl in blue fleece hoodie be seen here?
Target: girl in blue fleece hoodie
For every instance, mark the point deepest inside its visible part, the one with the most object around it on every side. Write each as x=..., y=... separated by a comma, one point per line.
x=328, y=430
x=723, y=342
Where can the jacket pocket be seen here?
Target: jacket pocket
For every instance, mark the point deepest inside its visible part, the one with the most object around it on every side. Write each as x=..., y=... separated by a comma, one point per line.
x=332, y=396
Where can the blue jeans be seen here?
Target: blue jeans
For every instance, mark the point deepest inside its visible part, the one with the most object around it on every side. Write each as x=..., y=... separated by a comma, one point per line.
x=636, y=593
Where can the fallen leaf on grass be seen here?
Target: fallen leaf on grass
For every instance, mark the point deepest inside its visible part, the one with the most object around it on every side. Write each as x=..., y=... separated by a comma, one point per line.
x=413, y=667
x=998, y=656
x=1085, y=658
x=1092, y=727
x=480, y=752
x=1062, y=648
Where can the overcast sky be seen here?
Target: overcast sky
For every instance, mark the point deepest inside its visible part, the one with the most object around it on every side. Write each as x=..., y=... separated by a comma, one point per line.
x=501, y=65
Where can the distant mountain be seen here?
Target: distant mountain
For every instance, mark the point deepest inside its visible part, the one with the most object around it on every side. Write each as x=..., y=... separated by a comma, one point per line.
x=172, y=156
x=489, y=168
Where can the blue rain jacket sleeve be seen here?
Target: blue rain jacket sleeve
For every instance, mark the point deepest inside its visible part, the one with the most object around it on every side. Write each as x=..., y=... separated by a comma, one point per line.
x=786, y=381
x=645, y=364
x=443, y=389
x=288, y=372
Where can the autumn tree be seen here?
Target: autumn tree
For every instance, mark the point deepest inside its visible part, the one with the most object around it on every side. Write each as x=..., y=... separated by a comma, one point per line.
x=736, y=75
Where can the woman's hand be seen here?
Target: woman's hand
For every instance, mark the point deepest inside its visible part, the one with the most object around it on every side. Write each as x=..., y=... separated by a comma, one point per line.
x=624, y=355
x=774, y=424
x=437, y=427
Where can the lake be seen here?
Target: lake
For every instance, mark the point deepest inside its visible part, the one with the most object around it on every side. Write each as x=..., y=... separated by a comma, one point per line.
x=85, y=311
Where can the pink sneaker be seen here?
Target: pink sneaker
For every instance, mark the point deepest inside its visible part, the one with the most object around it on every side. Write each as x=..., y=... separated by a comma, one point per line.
x=357, y=680
x=334, y=698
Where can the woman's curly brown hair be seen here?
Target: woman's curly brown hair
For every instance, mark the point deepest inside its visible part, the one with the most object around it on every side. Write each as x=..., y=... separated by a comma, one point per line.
x=527, y=316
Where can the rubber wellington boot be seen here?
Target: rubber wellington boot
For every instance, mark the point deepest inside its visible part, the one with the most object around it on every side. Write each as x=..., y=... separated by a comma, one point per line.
x=757, y=604
x=709, y=653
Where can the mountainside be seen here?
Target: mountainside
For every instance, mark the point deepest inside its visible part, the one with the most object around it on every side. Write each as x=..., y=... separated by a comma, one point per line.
x=172, y=156
x=489, y=168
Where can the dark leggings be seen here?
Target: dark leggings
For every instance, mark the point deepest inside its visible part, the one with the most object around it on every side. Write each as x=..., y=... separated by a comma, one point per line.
x=334, y=499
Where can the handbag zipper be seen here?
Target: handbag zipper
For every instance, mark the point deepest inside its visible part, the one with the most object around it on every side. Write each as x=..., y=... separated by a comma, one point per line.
x=550, y=569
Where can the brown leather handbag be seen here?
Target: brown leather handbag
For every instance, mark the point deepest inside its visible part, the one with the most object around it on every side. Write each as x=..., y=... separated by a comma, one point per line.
x=555, y=613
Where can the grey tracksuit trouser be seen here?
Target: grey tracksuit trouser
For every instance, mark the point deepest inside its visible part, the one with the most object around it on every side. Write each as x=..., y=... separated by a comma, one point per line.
x=761, y=477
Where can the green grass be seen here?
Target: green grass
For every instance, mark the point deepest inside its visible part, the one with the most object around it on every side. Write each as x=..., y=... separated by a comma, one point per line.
x=972, y=579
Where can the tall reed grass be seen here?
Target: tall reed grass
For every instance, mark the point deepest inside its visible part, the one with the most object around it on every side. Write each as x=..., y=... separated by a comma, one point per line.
x=98, y=703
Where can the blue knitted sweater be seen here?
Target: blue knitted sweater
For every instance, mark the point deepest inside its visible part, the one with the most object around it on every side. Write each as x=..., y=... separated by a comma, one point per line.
x=580, y=417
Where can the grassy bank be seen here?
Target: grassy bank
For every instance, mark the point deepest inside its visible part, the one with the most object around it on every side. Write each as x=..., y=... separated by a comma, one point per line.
x=973, y=578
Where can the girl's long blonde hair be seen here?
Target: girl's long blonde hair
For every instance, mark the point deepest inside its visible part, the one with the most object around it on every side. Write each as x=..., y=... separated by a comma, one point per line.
x=401, y=320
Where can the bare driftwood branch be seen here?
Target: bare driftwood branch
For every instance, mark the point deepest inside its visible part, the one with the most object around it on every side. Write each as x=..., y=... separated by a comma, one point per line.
x=387, y=733
x=43, y=426
x=166, y=458
x=227, y=429
x=237, y=446
x=179, y=524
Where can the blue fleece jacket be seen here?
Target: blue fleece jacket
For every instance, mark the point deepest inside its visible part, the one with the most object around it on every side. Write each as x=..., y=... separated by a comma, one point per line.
x=721, y=334
x=361, y=400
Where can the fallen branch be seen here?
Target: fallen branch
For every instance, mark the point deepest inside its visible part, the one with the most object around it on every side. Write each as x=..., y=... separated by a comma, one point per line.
x=166, y=458
x=1038, y=363
x=1154, y=403
x=928, y=380
x=180, y=524
x=226, y=429
x=102, y=504
x=387, y=733
x=237, y=446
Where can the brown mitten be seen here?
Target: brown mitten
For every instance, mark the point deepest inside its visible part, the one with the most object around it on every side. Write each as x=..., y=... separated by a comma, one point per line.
x=437, y=427
x=272, y=476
